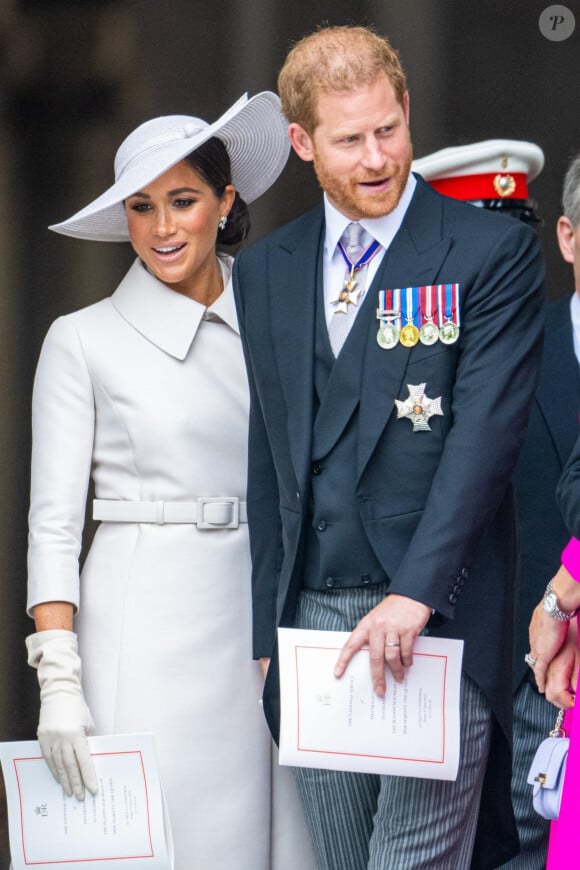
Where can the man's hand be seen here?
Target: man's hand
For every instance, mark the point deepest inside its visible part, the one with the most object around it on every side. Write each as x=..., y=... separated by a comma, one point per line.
x=389, y=631
x=562, y=675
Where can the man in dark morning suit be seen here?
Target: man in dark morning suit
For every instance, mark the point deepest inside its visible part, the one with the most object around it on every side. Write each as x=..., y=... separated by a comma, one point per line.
x=552, y=432
x=553, y=429
x=379, y=521
x=553, y=654
x=469, y=173
x=553, y=642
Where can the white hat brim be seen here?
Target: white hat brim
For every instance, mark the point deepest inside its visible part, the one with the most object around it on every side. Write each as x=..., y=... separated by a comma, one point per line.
x=254, y=133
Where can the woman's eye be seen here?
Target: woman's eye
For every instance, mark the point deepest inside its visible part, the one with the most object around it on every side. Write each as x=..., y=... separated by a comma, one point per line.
x=183, y=203
x=140, y=207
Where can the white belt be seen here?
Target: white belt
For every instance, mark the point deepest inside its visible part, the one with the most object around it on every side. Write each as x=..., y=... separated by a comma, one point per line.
x=207, y=513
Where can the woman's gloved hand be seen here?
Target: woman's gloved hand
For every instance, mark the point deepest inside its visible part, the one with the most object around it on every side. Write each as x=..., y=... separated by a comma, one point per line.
x=65, y=719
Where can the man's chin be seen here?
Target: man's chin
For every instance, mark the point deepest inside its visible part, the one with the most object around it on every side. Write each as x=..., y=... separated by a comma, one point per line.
x=371, y=206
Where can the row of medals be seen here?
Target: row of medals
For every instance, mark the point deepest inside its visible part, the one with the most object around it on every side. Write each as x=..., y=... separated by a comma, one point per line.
x=390, y=334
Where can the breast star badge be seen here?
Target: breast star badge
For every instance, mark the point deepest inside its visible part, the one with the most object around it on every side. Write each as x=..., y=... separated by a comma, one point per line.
x=418, y=408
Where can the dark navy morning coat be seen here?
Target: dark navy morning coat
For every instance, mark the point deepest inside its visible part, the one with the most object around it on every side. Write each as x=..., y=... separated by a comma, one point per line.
x=437, y=507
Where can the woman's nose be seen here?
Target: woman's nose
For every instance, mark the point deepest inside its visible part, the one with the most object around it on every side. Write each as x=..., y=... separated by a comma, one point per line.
x=164, y=224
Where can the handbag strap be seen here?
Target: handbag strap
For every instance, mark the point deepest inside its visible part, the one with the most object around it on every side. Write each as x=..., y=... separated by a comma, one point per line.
x=558, y=730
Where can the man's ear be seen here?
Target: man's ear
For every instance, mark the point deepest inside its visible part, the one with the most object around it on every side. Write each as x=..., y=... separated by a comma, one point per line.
x=301, y=142
x=406, y=106
x=566, y=238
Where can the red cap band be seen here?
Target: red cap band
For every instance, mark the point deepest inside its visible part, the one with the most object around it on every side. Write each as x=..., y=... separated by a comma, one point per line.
x=487, y=185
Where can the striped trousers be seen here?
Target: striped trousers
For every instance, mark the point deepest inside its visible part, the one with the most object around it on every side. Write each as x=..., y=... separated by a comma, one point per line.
x=370, y=822
x=534, y=717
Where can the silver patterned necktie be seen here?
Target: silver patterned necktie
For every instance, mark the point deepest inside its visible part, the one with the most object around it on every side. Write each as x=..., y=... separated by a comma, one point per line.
x=355, y=240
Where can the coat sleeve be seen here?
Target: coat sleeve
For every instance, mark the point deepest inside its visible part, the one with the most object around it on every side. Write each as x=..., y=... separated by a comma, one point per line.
x=568, y=492
x=495, y=381
x=263, y=503
x=63, y=421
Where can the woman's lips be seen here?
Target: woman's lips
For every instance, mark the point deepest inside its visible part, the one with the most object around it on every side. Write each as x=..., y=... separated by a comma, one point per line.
x=168, y=252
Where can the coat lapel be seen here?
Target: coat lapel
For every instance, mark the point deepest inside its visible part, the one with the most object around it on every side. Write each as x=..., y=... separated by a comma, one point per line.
x=342, y=393
x=414, y=258
x=294, y=272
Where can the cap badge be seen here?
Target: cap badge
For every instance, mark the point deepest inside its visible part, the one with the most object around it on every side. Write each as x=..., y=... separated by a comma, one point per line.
x=504, y=185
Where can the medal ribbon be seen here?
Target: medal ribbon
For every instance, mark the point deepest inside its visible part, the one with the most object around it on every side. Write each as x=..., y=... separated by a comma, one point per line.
x=428, y=295
x=389, y=310
x=411, y=294
x=397, y=302
x=450, y=310
x=383, y=302
x=365, y=258
x=455, y=303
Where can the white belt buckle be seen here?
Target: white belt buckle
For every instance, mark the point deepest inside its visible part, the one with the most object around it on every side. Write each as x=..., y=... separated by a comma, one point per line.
x=233, y=503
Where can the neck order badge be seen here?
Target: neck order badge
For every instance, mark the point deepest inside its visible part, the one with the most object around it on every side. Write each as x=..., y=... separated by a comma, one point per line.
x=356, y=238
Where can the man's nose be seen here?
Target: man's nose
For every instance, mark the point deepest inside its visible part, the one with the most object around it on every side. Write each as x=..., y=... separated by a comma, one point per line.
x=373, y=156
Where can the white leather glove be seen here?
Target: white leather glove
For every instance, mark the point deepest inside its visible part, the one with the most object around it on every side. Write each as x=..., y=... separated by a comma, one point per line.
x=65, y=719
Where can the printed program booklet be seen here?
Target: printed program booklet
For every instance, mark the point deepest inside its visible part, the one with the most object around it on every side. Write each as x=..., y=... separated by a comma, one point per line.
x=341, y=724
x=123, y=826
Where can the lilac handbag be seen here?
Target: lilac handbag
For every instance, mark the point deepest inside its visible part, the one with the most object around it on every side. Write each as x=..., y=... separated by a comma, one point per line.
x=548, y=769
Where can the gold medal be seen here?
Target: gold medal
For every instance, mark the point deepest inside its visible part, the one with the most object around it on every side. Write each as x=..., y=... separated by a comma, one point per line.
x=409, y=336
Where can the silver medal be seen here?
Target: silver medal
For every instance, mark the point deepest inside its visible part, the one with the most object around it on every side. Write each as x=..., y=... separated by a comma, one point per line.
x=429, y=333
x=388, y=336
x=448, y=332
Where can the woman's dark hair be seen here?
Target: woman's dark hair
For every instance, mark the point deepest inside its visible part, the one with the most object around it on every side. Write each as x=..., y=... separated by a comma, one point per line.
x=212, y=162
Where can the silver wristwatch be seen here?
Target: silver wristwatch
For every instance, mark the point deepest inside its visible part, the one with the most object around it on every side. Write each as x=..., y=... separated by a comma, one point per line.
x=551, y=606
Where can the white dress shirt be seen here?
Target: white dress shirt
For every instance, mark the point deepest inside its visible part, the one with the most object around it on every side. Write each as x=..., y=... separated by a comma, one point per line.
x=575, y=316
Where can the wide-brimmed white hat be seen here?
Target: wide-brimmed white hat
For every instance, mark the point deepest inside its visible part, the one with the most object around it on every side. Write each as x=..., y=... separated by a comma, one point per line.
x=253, y=131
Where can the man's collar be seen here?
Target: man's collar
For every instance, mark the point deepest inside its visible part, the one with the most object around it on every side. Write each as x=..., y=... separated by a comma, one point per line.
x=165, y=317
x=382, y=228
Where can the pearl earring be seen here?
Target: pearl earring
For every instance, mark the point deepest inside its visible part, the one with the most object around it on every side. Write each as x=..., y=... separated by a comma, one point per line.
x=222, y=222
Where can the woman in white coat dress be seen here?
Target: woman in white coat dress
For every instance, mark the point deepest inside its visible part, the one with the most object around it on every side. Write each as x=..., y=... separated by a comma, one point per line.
x=146, y=391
